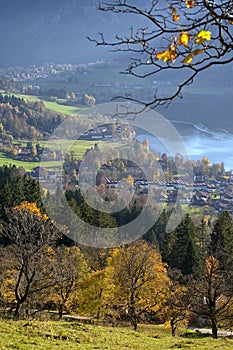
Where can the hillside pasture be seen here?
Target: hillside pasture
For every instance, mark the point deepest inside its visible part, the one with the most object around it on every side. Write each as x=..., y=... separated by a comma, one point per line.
x=28, y=335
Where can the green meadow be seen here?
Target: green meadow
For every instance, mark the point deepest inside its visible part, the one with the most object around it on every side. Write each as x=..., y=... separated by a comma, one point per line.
x=52, y=335
x=54, y=106
x=79, y=147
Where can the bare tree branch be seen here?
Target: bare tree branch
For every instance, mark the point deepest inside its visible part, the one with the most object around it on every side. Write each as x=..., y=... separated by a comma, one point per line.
x=185, y=35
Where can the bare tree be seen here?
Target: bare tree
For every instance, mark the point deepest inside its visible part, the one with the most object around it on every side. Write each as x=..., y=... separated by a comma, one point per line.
x=177, y=35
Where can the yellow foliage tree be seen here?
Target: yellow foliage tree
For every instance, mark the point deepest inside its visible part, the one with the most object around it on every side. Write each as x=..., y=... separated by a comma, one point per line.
x=32, y=207
x=90, y=298
x=176, y=308
x=135, y=281
x=69, y=268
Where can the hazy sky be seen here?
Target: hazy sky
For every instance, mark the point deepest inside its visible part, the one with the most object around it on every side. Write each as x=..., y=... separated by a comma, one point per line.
x=52, y=30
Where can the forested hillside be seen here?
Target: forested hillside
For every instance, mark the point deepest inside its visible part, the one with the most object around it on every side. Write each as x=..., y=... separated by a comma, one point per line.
x=26, y=120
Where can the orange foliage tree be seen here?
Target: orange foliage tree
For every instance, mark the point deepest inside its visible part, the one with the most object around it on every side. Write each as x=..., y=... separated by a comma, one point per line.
x=29, y=233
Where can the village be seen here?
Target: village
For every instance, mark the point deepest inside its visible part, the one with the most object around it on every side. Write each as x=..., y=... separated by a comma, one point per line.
x=214, y=195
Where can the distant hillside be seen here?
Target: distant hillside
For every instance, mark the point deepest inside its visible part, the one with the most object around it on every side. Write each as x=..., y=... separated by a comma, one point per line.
x=43, y=31
x=26, y=120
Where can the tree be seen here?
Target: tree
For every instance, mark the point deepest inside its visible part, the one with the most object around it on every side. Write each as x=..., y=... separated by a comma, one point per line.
x=176, y=308
x=90, y=298
x=29, y=233
x=184, y=254
x=69, y=267
x=88, y=100
x=211, y=296
x=33, y=151
x=203, y=239
x=135, y=280
x=183, y=36
x=221, y=245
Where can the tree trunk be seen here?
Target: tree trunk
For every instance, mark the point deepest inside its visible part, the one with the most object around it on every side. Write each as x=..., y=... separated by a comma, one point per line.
x=16, y=313
x=98, y=315
x=173, y=327
x=133, y=319
x=134, y=324
x=214, y=329
x=60, y=311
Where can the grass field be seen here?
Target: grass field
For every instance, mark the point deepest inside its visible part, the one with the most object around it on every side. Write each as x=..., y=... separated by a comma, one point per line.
x=29, y=335
x=79, y=147
x=54, y=106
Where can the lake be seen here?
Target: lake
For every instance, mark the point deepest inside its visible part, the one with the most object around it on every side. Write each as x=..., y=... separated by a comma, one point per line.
x=200, y=140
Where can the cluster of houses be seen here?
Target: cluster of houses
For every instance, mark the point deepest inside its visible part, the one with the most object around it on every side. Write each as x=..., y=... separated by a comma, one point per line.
x=216, y=193
x=32, y=153
x=98, y=133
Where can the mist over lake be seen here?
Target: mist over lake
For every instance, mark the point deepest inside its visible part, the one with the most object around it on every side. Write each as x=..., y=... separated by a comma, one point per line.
x=200, y=140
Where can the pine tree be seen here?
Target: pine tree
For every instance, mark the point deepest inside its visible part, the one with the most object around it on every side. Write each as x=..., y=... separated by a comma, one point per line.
x=32, y=191
x=184, y=255
x=221, y=245
x=18, y=192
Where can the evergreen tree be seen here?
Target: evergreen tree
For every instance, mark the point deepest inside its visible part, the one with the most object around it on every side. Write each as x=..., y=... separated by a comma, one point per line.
x=32, y=191
x=157, y=235
x=5, y=197
x=221, y=245
x=18, y=192
x=184, y=255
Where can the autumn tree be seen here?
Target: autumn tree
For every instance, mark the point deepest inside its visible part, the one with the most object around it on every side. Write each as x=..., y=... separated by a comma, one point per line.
x=91, y=296
x=135, y=280
x=184, y=36
x=29, y=233
x=88, y=100
x=176, y=307
x=212, y=297
x=69, y=267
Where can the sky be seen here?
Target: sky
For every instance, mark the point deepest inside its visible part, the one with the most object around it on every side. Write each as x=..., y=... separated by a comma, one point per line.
x=37, y=32
x=48, y=30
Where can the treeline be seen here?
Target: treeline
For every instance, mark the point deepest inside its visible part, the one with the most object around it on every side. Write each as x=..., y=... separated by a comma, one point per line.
x=172, y=277
x=27, y=120
x=16, y=187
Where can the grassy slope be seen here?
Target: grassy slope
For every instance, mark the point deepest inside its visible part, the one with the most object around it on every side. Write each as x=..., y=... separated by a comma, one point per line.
x=28, y=166
x=56, y=107
x=79, y=147
x=23, y=335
